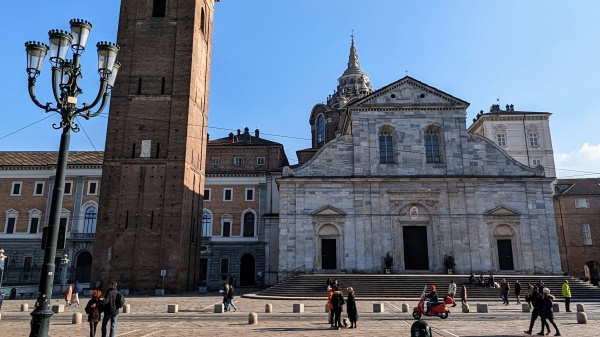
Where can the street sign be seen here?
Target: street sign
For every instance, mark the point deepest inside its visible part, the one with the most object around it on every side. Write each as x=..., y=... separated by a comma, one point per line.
x=163, y=272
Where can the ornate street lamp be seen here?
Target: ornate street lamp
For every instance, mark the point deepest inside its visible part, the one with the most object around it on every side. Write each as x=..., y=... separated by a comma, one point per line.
x=65, y=88
x=63, y=270
x=2, y=259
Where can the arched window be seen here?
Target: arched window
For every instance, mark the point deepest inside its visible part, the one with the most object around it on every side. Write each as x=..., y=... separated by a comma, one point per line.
x=91, y=217
x=432, y=146
x=248, y=224
x=320, y=130
x=206, y=224
x=386, y=150
x=202, y=20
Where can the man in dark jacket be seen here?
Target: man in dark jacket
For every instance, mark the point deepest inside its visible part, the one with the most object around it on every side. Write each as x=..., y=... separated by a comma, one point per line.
x=538, y=304
x=518, y=291
x=113, y=301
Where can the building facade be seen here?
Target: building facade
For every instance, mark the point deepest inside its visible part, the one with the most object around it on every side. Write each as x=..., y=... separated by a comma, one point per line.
x=524, y=135
x=241, y=210
x=153, y=172
x=403, y=176
x=577, y=208
x=26, y=185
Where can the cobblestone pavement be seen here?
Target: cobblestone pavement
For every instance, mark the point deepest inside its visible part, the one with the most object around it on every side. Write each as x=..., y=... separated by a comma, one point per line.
x=149, y=317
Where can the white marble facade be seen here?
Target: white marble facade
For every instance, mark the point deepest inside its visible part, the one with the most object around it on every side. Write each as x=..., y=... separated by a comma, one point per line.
x=344, y=209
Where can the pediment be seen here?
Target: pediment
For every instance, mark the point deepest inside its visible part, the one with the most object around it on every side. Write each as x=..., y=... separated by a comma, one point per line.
x=502, y=211
x=328, y=211
x=410, y=92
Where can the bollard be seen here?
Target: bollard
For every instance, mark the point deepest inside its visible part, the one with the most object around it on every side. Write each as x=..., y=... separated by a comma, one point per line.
x=58, y=308
x=253, y=318
x=555, y=307
x=581, y=317
x=378, y=307
x=482, y=308
x=298, y=307
x=172, y=308
x=580, y=308
x=525, y=307
x=219, y=308
x=268, y=308
x=24, y=307
x=0, y=317
x=404, y=307
x=77, y=318
x=465, y=308
x=127, y=309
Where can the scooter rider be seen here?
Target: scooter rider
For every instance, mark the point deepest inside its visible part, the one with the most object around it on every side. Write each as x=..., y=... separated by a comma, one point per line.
x=433, y=298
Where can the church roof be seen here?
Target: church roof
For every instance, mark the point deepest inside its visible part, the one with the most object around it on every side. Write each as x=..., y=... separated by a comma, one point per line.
x=49, y=158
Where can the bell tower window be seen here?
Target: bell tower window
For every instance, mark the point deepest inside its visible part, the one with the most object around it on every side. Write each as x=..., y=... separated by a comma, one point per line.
x=320, y=130
x=159, y=9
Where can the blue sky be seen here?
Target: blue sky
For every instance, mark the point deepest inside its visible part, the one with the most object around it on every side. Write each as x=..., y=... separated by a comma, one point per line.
x=274, y=60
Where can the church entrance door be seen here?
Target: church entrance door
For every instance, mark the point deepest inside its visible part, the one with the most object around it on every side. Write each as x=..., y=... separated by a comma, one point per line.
x=328, y=253
x=505, y=255
x=416, y=255
x=247, y=270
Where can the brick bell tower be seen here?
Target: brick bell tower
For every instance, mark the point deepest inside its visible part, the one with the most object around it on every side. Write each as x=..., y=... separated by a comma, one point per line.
x=153, y=174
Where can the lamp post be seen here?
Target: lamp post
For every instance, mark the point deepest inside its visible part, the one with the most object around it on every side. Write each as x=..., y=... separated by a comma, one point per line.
x=65, y=88
x=63, y=270
x=2, y=259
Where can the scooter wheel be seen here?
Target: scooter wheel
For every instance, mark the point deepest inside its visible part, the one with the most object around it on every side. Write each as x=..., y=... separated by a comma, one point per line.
x=444, y=315
x=416, y=315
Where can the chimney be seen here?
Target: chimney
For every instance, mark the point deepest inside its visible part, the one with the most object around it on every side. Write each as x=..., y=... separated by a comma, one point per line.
x=207, y=137
x=231, y=136
x=246, y=131
x=256, y=133
x=239, y=132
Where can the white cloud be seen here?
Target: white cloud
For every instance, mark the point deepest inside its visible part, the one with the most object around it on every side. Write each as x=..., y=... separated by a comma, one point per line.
x=583, y=163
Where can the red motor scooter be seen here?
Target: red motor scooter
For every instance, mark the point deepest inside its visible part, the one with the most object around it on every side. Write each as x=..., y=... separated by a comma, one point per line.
x=440, y=310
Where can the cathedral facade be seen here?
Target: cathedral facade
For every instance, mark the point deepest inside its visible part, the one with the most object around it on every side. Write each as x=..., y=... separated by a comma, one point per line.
x=395, y=171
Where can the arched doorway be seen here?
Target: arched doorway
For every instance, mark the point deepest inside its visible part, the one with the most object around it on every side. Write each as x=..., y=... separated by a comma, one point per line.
x=247, y=270
x=83, y=267
x=593, y=271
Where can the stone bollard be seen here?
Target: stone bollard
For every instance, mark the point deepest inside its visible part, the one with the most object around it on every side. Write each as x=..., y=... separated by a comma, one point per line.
x=404, y=307
x=581, y=317
x=555, y=307
x=580, y=308
x=219, y=308
x=525, y=307
x=268, y=308
x=482, y=308
x=172, y=308
x=127, y=309
x=24, y=307
x=378, y=307
x=465, y=308
x=77, y=318
x=58, y=308
x=253, y=318
x=0, y=317
x=298, y=307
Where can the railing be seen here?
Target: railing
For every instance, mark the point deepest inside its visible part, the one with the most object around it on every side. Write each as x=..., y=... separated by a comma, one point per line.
x=83, y=235
x=542, y=271
x=288, y=274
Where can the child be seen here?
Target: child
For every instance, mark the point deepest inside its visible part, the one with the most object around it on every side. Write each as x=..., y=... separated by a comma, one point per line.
x=94, y=310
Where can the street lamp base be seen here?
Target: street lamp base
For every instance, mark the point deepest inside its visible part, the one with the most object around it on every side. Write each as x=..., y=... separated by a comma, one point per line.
x=40, y=322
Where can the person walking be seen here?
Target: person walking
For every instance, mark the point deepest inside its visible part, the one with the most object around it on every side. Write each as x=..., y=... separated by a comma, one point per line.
x=76, y=292
x=337, y=300
x=113, y=301
x=463, y=294
x=351, y=308
x=452, y=289
x=529, y=293
x=518, y=291
x=230, y=294
x=566, y=292
x=548, y=313
x=94, y=310
x=330, y=305
x=538, y=305
x=68, y=295
x=504, y=289
x=226, y=297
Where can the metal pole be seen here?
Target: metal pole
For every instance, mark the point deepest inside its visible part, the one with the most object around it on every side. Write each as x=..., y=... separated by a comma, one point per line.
x=40, y=317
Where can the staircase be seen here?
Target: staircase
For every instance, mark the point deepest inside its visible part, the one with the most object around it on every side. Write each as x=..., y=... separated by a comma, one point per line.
x=400, y=286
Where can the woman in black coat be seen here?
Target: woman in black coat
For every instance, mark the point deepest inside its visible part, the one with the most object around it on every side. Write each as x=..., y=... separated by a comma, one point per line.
x=351, y=307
